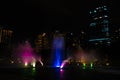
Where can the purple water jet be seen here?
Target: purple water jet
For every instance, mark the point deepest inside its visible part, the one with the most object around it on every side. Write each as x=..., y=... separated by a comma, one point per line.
x=26, y=54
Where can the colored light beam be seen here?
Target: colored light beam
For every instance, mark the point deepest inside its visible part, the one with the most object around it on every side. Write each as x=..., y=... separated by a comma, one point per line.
x=58, y=45
x=64, y=62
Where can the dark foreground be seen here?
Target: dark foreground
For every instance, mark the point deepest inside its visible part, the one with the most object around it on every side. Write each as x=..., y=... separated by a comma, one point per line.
x=58, y=74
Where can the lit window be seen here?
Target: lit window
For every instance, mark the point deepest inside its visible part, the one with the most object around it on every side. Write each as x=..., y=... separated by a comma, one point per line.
x=95, y=18
x=82, y=32
x=90, y=12
x=108, y=42
x=100, y=17
x=92, y=24
x=96, y=43
x=105, y=16
x=119, y=29
x=105, y=21
x=71, y=33
x=116, y=31
x=95, y=11
x=105, y=8
x=73, y=44
x=43, y=34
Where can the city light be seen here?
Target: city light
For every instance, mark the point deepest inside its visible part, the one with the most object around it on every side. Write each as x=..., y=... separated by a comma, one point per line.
x=33, y=64
x=26, y=64
x=84, y=65
x=99, y=39
x=107, y=64
x=91, y=65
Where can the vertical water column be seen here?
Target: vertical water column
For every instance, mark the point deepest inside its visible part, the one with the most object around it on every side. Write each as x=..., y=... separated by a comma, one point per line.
x=58, y=50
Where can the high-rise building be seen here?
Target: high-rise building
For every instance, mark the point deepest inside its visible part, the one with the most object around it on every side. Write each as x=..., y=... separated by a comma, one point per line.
x=5, y=37
x=42, y=42
x=115, y=34
x=99, y=27
x=5, y=42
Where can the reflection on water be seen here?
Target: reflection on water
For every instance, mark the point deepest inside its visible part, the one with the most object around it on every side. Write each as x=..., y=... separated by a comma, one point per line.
x=55, y=74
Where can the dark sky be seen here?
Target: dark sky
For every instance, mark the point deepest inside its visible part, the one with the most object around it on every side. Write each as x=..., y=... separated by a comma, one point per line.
x=29, y=17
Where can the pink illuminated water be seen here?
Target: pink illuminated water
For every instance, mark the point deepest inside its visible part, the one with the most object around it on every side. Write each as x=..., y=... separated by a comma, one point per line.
x=26, y=54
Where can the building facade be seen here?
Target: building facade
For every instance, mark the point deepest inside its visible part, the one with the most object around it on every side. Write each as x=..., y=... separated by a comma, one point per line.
x=99, y=27
x=5, y=42
x=42, y=42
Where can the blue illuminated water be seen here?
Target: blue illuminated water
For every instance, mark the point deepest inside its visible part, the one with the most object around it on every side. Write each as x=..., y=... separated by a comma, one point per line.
x=58, y=49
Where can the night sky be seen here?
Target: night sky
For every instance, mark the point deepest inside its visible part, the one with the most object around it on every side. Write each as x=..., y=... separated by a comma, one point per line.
x=30, y=17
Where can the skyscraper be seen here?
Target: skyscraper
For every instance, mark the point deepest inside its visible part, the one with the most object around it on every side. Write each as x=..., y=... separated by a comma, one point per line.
x=5, y=37
x=42, y=42
x=99, y=26
x=5, y=42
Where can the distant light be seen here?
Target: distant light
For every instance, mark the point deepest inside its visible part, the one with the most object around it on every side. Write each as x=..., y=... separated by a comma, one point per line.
x=43, y=34
x=100, y=17
x=105, y=8
x=105, y=21
x=96, y=43
x=95, y=11
x=84, y=68
x=12, y=62
x=105, y=16
x=82, y=32
x=107, y=64
x=26, y=63
x=95, y=18
x=33, y=64
x=90, y=12
x=84, y=64
x=91, y=65
x=99, y=39
x=33, y=69
x=108, y=42
x=93, y=24
x=73, y=44
x=71, y=33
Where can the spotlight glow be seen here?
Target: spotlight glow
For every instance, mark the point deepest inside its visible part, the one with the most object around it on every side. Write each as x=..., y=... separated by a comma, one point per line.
x=91, y=65
x=33, y=64
x=26, y=64
x=84, y=65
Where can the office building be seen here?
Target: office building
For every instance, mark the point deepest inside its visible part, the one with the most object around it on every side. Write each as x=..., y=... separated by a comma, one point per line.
x=99, y=28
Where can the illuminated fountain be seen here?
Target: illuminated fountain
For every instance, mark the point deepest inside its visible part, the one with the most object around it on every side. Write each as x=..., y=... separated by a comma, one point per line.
x=58, y=50
x=26, y=54
x=80, y=58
